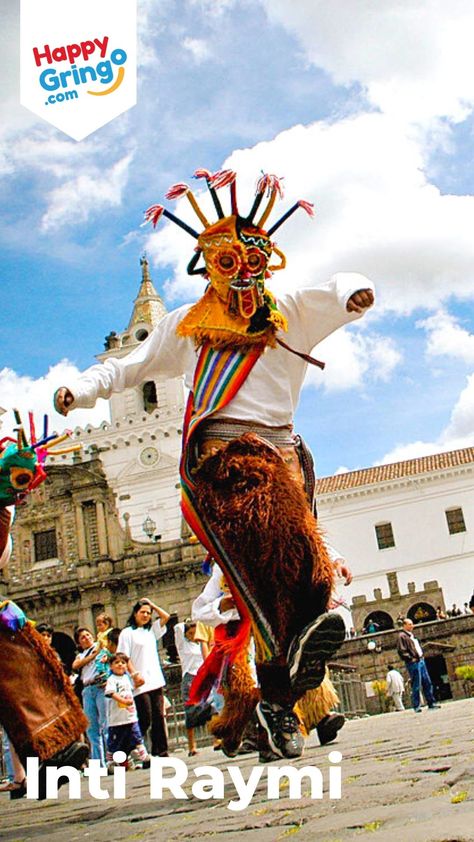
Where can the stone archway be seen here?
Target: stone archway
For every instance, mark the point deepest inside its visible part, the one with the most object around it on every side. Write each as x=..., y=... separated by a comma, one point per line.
x=421, y=612
x=380, y=619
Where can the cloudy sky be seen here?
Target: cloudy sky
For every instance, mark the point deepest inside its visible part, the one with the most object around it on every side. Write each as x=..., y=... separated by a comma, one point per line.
x=365, y=108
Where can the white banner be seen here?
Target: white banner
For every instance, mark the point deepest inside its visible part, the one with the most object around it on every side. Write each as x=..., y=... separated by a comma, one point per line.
x=78, y=62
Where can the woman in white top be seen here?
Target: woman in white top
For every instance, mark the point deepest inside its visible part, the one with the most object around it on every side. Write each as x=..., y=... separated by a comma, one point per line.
x=138, y=640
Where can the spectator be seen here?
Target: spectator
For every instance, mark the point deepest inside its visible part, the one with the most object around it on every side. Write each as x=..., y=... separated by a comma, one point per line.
x=466, y=609
x=395, y=687
x=93, y=696
x=471, y=602
x=190, y=657
x=139, y=642
x=440, y=615
x=410, y=651
x=124, y=731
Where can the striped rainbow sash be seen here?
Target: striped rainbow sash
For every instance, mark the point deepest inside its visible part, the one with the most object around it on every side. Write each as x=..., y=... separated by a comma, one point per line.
x=218, y=377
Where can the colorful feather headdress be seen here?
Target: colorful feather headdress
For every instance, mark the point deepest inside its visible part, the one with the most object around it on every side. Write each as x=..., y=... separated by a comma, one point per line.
x=236, y=309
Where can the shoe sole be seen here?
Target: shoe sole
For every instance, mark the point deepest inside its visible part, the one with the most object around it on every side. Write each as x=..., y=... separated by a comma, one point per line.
x=264, y=724
x=317, y=643
x=331, y=732
x=76, y=759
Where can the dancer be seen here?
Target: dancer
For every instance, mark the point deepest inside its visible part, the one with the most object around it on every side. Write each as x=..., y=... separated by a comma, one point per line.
x=38, y=709
x=243, y=494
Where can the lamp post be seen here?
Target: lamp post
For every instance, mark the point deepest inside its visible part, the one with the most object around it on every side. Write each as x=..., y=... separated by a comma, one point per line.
x=148, y=527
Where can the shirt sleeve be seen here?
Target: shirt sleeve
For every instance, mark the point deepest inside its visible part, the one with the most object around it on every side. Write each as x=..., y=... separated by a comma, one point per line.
x=158, y=630
x=317, y=312
x=125, y=642
x=110, y=687
x=162, y=354
x=206, y=605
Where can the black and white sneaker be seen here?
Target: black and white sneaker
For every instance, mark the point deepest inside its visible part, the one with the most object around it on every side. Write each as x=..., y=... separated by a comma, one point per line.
x=311, y=649
x=282, y=729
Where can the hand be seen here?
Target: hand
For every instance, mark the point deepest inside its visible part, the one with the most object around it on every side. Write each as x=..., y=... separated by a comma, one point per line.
x=138, y=681
x=63, y=399
x=226, y=604
x=343, y=571
x=360, y=300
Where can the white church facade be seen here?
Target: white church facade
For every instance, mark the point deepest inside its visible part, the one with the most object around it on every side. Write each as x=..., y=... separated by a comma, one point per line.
x=415, y=518
x=140, y=446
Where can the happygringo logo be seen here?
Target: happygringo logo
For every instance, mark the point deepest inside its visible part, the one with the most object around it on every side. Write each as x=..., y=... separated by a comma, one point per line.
x=64, y=81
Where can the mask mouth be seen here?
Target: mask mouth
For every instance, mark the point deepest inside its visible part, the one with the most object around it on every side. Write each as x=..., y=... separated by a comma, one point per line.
x=244, y=283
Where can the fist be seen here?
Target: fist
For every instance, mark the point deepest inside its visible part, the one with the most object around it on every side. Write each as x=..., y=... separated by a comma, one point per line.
x=360, y=300
x=63, y=399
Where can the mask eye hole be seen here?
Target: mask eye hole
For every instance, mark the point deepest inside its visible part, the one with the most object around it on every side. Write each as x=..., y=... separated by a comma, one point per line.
x=256, y=261
x=20, y=478
x=228, y=263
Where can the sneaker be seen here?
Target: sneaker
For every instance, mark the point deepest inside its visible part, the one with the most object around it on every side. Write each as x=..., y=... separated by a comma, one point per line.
x=282, y=728
x=265, y=754
x=434, y=707
x=328, y=727
x=417, y=710
x=74, y=755
x=311, y=649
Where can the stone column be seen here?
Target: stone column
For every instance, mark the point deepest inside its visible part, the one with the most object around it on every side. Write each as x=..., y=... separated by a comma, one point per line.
x=81, y=535
x=101, y=529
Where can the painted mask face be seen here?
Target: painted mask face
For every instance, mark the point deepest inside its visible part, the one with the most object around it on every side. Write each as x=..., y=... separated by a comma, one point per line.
x=237, y=258
x=17, y=471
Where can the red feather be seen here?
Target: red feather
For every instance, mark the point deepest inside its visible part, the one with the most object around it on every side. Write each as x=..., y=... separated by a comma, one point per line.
x=307, y=206
x=176, y=191
x=270, y=183
x=223, y=178
x=153, y=214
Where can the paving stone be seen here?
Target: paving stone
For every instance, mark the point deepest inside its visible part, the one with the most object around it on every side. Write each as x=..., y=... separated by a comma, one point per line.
x=404, y=777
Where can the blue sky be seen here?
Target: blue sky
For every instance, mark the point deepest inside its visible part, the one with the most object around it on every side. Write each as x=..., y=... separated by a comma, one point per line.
x=367, y=111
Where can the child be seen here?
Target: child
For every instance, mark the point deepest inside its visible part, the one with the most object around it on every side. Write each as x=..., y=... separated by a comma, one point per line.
x=124, y=731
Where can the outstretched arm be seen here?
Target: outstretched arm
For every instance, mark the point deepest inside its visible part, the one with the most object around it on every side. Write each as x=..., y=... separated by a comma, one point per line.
x=163, y=354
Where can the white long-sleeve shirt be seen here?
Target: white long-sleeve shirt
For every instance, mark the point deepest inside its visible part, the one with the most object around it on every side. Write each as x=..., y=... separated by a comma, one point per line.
x=206, y=606
x=270, y=393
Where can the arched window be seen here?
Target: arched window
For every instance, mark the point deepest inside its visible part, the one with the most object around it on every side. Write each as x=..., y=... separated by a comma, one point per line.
x=150, y=399
x=377, y=621
x=421, y=612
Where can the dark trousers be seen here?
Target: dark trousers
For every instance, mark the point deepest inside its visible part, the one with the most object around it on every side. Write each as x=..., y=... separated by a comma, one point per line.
x=150, y=709
x=419, y=676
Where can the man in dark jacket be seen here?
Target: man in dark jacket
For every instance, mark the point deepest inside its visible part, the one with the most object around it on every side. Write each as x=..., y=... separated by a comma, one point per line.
x=410, y=651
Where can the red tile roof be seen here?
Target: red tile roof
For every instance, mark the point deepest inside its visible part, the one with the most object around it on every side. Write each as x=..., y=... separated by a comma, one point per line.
x=395, y=470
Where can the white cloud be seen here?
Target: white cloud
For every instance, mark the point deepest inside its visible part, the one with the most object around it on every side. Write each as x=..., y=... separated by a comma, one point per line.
x=28, y=394
x=351, y=359
x=198, y=48
x=414, y=57
x=376, y=213
x=90, y=192
x=446, y=337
